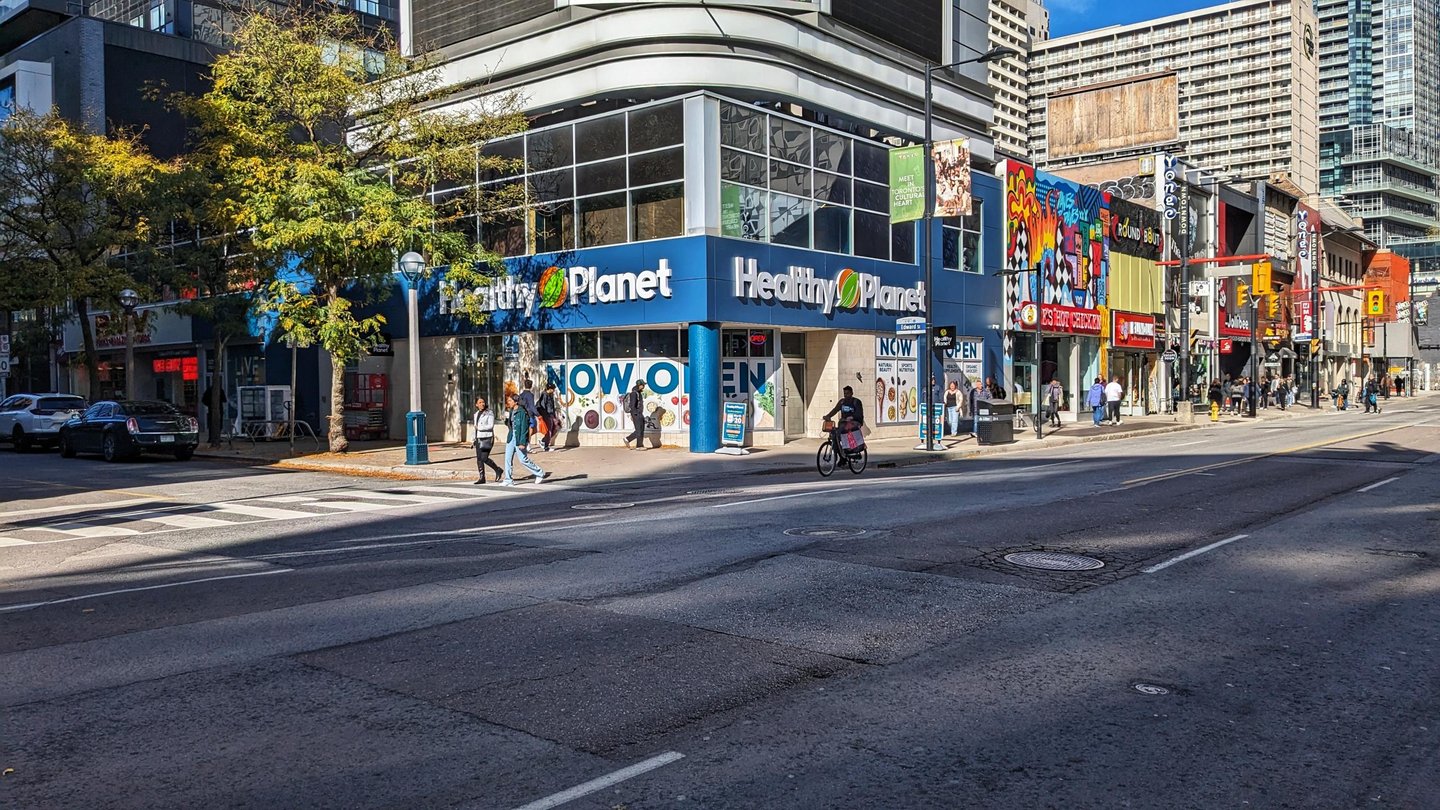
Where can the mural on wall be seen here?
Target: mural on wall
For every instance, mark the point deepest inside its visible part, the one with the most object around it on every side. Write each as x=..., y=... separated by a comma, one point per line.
x=897, y=393
x=1060, y=228
x=591, y=391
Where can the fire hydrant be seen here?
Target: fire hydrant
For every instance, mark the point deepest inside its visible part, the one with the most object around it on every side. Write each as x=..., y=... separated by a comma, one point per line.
x=1214, y=412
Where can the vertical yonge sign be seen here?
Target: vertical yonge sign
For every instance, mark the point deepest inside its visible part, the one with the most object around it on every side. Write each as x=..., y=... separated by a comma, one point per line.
x=849, y=289
x=558, y=286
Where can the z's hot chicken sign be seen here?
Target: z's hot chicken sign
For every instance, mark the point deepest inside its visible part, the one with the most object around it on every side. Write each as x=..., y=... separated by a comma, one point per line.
x=1133, y=331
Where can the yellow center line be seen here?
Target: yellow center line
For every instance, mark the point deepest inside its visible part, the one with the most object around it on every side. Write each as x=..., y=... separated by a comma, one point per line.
x=1300, y=449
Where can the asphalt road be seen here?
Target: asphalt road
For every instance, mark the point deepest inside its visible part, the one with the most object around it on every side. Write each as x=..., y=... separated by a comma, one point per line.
x=1264, y=631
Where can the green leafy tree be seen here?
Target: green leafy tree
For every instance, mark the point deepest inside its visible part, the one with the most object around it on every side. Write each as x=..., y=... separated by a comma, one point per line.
x=69, y=200
x=326, y=138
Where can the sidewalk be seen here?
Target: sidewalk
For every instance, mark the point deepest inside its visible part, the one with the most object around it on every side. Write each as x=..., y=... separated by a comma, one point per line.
x=455, y=461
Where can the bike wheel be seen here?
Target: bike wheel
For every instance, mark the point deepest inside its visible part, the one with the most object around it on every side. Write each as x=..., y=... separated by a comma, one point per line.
x=825, y=459
x=858, y=460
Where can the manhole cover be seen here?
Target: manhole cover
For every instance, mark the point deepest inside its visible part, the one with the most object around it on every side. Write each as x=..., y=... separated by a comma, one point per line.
x=825, y=531
x=1054, y=561
x=602, y=506
x=1152, y=689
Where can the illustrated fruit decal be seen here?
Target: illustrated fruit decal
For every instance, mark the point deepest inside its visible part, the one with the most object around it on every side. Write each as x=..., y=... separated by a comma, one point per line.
x=553, y=287
x=848, y=282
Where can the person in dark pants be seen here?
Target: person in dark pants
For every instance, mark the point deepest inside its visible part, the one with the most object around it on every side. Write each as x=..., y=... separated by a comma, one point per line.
x=214, y=400
x=527, y=401
x=549, y=407
x=485, y=439
x=634, y=403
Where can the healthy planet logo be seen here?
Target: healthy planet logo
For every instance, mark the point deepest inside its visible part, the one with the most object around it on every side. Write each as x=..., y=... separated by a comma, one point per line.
x=848, y=283
x=553, y=287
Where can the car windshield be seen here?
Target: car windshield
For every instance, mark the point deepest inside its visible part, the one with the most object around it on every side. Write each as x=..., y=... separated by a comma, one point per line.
x=148, y=409
x=52, y=404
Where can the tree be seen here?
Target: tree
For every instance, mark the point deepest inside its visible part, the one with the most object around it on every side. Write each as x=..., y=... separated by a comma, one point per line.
x=325, y=136
x=68, y=200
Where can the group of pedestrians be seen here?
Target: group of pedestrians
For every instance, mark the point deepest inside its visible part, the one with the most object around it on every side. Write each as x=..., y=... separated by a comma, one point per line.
x=526, y=416
x=1104, y=400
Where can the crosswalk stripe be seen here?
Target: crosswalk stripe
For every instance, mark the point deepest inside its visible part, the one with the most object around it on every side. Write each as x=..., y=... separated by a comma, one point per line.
x=284, y=498
x=13, y=541
x=260, y=511
x=181, y=521
x=463, y=490
x=354, y=506
x=86, y=530
x=390, y=496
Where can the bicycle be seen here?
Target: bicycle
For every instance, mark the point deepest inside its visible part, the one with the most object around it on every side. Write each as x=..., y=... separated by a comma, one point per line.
x=831, y=452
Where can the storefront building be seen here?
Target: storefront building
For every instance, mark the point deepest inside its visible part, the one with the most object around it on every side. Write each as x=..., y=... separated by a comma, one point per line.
x=718, y=252
x=1134, y=336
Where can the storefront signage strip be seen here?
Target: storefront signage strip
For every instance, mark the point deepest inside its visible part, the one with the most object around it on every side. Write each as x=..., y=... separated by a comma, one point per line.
x=850, y=289
x=559, y=287
x=1133, y=331
x=1070, y=320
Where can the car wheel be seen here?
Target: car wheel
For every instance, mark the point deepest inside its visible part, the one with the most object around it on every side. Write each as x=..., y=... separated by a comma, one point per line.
x=21, y=442
x=66, y=450
x=184, y=455
x=110, y=449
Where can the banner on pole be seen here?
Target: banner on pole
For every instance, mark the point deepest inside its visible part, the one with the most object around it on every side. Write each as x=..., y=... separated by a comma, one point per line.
x=952, y=178
x=907, y=184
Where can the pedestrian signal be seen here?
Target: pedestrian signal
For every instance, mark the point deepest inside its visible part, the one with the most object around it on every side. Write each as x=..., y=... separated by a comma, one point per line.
x=1374, y=302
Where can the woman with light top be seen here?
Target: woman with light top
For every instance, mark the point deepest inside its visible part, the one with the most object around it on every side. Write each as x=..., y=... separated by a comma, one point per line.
x=484, y=440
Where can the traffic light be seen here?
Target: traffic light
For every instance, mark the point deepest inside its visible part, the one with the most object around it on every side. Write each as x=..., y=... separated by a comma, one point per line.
x=1242, y=294
x=1260, y=276
x=1374, y=302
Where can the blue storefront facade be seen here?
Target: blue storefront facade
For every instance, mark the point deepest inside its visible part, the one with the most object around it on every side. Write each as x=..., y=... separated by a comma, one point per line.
x=775, y=278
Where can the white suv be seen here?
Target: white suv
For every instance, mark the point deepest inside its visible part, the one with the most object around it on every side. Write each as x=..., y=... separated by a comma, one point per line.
x=27, y=420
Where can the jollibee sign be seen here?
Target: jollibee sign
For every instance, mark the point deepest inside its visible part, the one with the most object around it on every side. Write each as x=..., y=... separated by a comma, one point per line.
x=1132, y=331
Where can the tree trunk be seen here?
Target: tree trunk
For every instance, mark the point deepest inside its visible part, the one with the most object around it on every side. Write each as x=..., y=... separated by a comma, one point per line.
x=215, y=409
x=91, y=360
x=338, y=442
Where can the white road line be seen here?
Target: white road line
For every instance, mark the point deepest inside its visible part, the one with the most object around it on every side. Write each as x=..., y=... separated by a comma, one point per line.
x=1378, y=484
x=603, y=782
x=13, y=541
x=283, y=498
x=4, y=516
x=780, y=497
x=181, y=521
x=85, y=530
x=260, y=511
x=466, y=490
x=390, y=496
x=354, y=506
x=1188, y=444
x=29, y=605
x=1197, y=552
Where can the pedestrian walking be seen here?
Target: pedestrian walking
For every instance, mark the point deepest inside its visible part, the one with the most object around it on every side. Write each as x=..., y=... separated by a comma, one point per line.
x=634, y=404
x=952, y=408
x=1372, y=396
x=484, y=438
x=1096, y=400
x=214, y=404
x=1114, y=393
x=1215, y=396
x=1054, y=395
x=1282, y=393
x=1399, y=386
x=549, y=407
x=517, y=443
x=527, y=401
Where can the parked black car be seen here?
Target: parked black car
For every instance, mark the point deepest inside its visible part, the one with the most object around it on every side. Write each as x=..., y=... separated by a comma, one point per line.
x=118, y=430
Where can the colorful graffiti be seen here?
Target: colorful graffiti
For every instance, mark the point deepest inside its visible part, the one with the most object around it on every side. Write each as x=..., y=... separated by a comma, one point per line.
x=1061, y=229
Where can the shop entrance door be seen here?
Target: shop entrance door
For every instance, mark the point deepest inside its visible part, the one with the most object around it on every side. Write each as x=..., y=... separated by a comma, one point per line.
x=482, y=373
x=792, y=400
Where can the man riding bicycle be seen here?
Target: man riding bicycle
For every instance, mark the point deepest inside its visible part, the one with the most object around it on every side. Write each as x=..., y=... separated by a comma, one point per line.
x=845, y=443
x=850, y=409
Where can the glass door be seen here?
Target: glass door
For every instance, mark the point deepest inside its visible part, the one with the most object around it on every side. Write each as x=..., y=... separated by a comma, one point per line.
x=482, y=374
x=792, y=401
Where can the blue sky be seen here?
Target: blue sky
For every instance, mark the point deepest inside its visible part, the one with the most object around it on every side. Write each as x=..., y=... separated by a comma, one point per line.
x=1070, y=16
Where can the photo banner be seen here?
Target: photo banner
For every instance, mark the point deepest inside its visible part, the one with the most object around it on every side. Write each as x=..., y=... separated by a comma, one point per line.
x=907, y=184
x=952, y=178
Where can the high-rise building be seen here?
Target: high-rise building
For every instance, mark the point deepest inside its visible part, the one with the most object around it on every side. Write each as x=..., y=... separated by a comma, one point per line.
x=1014, y=24
x=1380, y=120
x=1231, y=88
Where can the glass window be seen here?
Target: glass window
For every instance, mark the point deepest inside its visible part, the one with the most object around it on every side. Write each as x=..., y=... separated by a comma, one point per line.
x=832, y=228
x=617, y=344
x=501, y=160
x=872, y=235
x=950, y=248
x=504, y=233
x=554, y=227
x=657, y=167
x=659, y=343
x=789, y=220
x=789, y=140
x=832, y=152
x=872, y=197
x=741, y=167
x=832, y=188
x=550, y=148
x=742, y=212
x=742, y=127
x=552, y=186
x=902, y=242
x=10, y=404
x=597, y=178
x=600, y=138
x=602, y=220
x=654, y=127
x=582, y=345
x=735, y=342
x=789, y=178
x=552, y=346
x=659, y=211
x=762, y=342
x=792, y=344
x=871, y=162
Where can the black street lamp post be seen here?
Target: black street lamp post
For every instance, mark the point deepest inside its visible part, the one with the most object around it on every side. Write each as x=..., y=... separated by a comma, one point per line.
x=928, y=387
x=129, y=299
